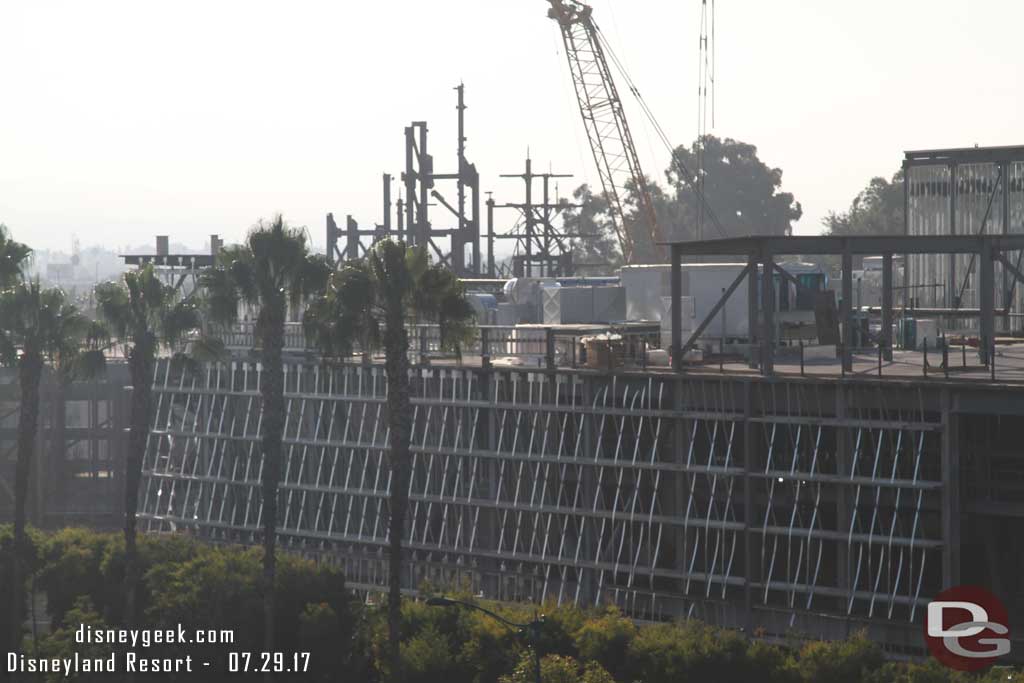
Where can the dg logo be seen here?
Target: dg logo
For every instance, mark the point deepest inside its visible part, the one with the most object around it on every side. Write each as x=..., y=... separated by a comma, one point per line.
x=967, y=628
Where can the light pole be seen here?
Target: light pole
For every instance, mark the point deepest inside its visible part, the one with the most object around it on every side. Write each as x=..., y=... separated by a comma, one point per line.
x=531, y=630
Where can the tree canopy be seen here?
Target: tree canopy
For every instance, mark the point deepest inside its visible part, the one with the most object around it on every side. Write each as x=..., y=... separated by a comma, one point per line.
x=876, y=210
x=741, y=191
x=13, y=258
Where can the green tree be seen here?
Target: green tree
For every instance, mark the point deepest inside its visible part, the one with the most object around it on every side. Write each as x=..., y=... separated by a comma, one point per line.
x=370, y=301
x=271, y=271
x=13, y=258
x=144, y=315
x=60, y=643
x=846, y=661
x=38, y=327
x=741, y=190
x=595, y=247
x=605, y=639
x=876, y=210
x=557, y=669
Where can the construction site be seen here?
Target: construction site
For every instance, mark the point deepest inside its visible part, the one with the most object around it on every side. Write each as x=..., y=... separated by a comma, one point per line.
x=721, y=429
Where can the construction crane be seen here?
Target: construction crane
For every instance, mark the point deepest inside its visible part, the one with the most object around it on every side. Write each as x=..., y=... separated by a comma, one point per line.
x=607, y=129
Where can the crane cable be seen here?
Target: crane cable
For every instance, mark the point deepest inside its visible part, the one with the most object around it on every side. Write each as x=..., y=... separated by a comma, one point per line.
x=681, y=168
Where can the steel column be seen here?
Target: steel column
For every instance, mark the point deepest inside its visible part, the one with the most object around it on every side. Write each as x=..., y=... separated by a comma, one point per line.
x=752, y=309
x=677, y=313
x=768, y=313
x=986, y=299
x=887, y=306
x=846, y=309
x=950, y=462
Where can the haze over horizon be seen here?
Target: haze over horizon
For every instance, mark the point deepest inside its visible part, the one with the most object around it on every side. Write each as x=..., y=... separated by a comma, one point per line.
x=125, y=120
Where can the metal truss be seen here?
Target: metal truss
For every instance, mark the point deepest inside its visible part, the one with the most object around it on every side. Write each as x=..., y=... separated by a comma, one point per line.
x=666, y=495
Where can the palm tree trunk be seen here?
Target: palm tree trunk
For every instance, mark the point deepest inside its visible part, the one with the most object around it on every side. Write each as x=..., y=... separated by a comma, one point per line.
x=30, y=369
x=272, y=390
x=140, y=365
x=399, y=405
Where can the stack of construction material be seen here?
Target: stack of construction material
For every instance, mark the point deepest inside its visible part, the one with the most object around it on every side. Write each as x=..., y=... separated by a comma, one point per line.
x=603, y=351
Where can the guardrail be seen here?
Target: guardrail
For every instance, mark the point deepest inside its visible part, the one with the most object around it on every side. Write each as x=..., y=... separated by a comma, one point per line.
x=530, y=345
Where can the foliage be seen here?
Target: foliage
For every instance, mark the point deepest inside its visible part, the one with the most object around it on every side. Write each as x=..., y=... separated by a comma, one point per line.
x=848, y=661
x=29, y=562
x=595, y=247
x=272, y=271
x=73, y=567
x=39, y=328
x=42, y=323
x=391, y=285
x=61, y=643
x=876, y=210
x=370, y=301
x=143, y=315
x=690, y=651
x=13, y=258
x=742, y=192
x=201, y=587
x=218, y=587
x=605, y=639
x=273, y=267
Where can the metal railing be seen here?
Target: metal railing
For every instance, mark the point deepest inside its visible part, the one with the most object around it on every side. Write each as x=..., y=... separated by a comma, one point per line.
x=524, y=345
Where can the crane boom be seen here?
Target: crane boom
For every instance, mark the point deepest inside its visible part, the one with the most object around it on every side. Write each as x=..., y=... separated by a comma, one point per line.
x=607, y=129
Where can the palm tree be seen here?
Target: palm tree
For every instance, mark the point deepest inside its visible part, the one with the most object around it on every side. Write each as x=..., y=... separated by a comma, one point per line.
x=13, y=258
x=370, y=301
x=37, y=327
x=272, y=271
x=143, y=314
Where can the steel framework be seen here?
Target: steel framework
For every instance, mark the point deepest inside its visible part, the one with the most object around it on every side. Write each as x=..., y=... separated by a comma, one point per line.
x=540, y=249
x=773, y=504
x=457, y=246
x=971, y=191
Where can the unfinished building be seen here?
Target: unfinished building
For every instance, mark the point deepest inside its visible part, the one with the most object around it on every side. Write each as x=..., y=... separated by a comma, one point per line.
x=776, y=500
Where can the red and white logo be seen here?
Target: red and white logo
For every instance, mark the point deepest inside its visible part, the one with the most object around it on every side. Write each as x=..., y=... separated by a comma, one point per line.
x=967, y=628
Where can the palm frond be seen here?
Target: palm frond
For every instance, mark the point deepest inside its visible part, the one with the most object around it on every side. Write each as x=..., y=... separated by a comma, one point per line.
x=177, y=321
x=221, y=298
x=208, y=350
x=13, y=258
x=89, y=364
x=42, y=323
x=113, y=306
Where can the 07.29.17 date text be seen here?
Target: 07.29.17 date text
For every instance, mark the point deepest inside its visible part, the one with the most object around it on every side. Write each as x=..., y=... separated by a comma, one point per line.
x=276, y=662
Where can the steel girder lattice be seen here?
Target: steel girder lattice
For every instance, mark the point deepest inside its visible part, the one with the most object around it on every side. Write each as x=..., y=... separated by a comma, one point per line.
x=669, y=496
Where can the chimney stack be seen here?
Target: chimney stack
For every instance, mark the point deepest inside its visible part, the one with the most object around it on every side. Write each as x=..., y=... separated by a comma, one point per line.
x=162, y=245
x=216, y=244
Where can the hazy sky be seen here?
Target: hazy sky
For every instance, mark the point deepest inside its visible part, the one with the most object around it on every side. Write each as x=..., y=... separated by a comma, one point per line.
x=122, y=119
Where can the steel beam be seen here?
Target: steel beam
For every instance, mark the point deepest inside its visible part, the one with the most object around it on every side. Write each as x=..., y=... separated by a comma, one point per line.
x=846, y=310
x=677, y=313
x=714, y=310
x=986, y=300
x=767, y=314
x=752, y=309
x=864, y=245
x=886, y=337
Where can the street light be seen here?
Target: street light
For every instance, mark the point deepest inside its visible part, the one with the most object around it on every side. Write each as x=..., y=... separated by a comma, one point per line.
x=531, y=630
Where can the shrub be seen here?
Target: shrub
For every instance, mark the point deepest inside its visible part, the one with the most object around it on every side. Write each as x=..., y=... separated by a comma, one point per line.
x=846, y=661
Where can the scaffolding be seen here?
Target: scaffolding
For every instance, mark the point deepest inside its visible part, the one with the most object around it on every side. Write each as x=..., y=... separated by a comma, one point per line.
x=972, y=191
x=781, y=504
